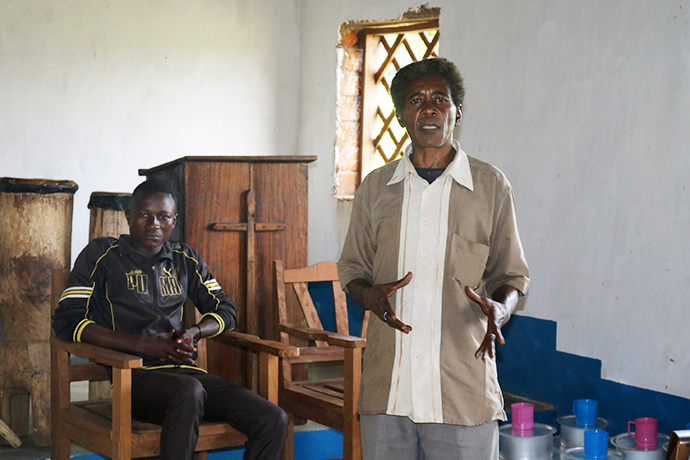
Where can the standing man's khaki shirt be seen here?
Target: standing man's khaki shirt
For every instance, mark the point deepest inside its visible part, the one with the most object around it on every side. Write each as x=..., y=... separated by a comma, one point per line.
x=433, y=377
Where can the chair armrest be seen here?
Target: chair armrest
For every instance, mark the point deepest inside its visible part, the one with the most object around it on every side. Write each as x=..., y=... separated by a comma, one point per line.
x=332, y=338
x=238, y=339
x=100, y=355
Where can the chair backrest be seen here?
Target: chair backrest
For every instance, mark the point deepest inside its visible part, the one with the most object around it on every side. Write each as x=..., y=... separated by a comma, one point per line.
x=298, y=279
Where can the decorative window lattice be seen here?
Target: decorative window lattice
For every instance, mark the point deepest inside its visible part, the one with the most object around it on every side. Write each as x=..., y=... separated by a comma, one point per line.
x=386, y=52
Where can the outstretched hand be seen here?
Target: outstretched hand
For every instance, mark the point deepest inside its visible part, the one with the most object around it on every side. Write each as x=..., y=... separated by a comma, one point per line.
x=376, y=299
x=497, y=314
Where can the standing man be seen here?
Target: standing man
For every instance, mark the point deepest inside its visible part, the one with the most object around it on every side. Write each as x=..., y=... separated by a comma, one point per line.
x=433, y=251
x=128, y=293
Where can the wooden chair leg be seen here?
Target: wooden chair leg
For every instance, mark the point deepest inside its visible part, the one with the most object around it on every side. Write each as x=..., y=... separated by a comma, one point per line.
x=60, y=448
x=352, y=449
x=122, y=414
x=59, y=399
x=289, y=449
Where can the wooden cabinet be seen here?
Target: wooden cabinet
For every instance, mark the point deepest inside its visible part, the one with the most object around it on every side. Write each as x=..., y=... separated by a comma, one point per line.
x=241, y=213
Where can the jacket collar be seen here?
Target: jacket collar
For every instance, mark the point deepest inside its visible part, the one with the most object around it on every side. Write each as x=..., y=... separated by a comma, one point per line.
x=125, y=248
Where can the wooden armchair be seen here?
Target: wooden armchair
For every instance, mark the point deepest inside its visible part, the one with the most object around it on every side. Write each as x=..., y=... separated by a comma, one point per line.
x=331, y=402
x=106, y=426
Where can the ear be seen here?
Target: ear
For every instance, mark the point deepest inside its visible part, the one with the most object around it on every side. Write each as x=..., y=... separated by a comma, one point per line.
x=174, y=220
x=458, y=116
x=399, y=117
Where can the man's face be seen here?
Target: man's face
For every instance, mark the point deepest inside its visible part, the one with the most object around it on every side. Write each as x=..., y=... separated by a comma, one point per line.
x=151, y=217
x=429, y=114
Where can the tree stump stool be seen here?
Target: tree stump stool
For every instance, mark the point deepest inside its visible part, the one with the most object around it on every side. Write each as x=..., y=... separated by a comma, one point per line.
x=35, y=238
x=107, y=218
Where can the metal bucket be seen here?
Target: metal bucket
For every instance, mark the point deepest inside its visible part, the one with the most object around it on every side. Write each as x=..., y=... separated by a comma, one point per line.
x=534, y=444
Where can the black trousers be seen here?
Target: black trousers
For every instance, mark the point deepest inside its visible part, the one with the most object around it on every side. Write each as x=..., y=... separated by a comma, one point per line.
x=179, y=399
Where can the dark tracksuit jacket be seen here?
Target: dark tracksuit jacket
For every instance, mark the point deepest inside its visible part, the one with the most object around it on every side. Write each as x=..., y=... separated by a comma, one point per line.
x=115, y=286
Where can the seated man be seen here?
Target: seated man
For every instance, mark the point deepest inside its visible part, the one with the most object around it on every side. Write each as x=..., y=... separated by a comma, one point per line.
x=128, y=293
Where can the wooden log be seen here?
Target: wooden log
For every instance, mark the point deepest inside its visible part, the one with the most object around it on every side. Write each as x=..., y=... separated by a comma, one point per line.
x=8, y=434
x=35, y=237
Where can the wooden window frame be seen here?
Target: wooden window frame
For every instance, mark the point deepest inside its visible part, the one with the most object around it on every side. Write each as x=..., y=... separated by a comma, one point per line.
x=372, y=75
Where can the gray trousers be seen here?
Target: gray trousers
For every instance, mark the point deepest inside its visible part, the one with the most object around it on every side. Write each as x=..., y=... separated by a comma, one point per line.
x=390, y=437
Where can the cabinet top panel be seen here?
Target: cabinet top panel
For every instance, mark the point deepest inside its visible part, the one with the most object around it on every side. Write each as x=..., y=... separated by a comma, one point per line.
x=233, y=159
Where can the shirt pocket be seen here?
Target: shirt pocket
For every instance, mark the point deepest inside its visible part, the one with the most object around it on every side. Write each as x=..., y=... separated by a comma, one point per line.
x=467, y=261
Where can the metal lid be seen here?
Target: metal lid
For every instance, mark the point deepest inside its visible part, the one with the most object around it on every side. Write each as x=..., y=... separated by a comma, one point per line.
x=570, y=422
x=624, y=442
x=537, y=431
x=577, y=453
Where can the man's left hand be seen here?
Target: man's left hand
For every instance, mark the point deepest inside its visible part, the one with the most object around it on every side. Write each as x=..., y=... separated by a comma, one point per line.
x=498, y=314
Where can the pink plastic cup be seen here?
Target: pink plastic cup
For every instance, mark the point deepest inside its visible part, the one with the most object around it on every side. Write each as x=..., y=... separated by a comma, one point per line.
x=522, y=416
x=645, y=433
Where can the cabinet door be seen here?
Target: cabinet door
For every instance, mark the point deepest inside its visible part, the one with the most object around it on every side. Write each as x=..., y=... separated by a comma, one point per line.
x=216, y=192
x=281, y=197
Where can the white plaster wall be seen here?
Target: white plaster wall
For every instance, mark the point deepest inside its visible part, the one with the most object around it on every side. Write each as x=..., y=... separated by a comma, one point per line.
x=585, y=105
x=94, y=90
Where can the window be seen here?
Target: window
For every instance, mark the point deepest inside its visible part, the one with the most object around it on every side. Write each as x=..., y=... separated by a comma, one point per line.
x=368, y=133
x=385, y=52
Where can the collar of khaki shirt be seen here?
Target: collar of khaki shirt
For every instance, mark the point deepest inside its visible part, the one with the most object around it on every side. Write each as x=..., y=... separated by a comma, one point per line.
x=459, y=168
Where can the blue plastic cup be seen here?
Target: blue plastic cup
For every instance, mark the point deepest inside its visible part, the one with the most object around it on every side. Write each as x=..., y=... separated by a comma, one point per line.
x=596, y=444
x=585, y=411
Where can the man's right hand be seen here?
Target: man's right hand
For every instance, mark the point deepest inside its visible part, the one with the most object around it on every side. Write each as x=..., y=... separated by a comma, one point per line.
x=163, y=346
x=166, y=347
x=375, y=298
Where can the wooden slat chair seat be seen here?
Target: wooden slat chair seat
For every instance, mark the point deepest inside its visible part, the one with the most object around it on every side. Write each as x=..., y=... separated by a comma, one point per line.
x=331, y=402
x=106, y=426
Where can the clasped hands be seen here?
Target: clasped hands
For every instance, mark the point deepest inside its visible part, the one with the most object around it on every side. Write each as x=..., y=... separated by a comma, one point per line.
x=376, y=299
x=174, y=347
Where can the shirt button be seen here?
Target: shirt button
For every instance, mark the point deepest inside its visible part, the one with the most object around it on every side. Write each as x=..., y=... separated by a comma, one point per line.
x=426, y=191
x=420, y=287
x=418, y=321
x=416, y=353
x=423, y=254
x=426, y=222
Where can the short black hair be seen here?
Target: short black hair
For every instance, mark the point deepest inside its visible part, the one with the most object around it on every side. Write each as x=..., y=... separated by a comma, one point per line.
x=428, y=68
x=153, y=186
